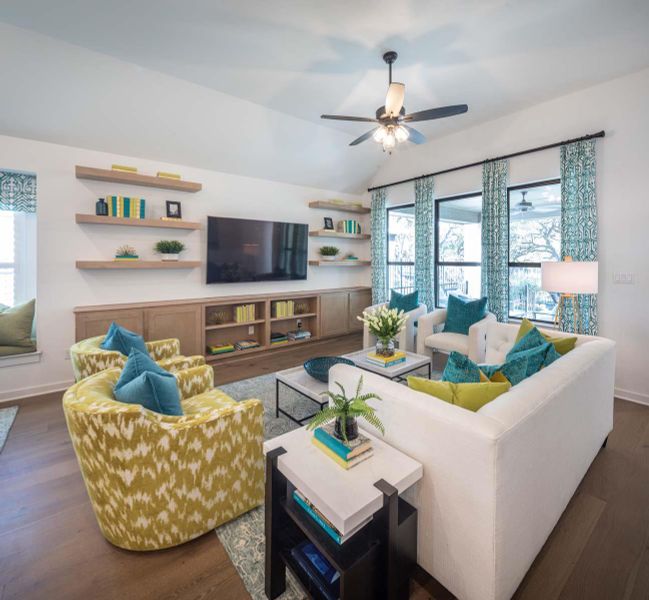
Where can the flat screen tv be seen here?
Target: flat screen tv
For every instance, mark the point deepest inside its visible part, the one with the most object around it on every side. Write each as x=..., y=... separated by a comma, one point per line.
x=247, y=250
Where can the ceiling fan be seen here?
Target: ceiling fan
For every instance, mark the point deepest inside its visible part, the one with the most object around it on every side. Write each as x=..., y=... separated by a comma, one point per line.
x=524, y=205
x=392, y=119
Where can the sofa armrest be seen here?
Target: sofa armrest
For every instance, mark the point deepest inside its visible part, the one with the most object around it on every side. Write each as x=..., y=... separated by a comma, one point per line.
x=427, y=325
x=160, y=349
x=478, y=338
x=195, y=381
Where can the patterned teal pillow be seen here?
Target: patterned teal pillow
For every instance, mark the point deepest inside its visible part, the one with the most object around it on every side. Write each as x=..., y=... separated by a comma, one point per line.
x=404, y=302
x=136, y=364
x=462, y=312
x=460, y=369
x=538, y=352
x=120, y=339
x=515, y=370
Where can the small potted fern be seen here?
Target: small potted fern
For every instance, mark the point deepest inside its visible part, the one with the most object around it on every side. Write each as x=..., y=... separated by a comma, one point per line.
x=345, y=411
x=329, y=252
x=169, y=249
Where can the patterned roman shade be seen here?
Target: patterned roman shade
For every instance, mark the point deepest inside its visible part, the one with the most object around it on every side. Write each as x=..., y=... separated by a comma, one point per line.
x=17, y=191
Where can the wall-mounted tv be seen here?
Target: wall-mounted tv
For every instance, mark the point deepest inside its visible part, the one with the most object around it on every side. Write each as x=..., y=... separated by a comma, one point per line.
x=248, y=250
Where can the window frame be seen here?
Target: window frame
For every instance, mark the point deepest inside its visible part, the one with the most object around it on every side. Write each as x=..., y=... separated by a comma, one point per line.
x=522, y=265
x=388, y=262
x=438, y=264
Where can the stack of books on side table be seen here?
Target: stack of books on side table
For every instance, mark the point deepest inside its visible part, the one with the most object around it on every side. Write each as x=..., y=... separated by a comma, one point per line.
x=386, y=361
x=346, y=454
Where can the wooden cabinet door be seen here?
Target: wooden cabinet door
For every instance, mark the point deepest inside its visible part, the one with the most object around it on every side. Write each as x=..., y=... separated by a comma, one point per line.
x=359, y=300
x=334, y=314
x=96, y=323
x=180, y=321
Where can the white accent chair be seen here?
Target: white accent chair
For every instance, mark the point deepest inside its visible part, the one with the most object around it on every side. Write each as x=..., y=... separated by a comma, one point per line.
x=407, y=339
x=432, y=338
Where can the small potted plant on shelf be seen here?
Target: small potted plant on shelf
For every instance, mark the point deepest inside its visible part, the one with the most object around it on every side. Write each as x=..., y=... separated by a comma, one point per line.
x=345, y=411
x=126, y=252
x=329, y=252
x=385, y=324
x=169, y=249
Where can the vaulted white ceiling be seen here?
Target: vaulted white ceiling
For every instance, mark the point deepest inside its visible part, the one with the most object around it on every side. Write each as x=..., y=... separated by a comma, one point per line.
x=301, y=59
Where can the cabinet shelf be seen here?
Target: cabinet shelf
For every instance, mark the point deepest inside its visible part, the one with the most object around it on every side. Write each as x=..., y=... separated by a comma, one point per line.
x=234, y=324
x=340, y=263
x=100, y=220
x=339, y=234
x=342, y=207
x=111, y=176
x=137, y=264
x=293, y=317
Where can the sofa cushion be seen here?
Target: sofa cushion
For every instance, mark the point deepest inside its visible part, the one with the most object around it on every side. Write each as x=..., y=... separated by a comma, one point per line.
x=448, y=342
x=16, y=325
x=462, y=312
x=539, y=353
x=562, y=345
x=404, y=302
x=471, y=396
x=120, y=339
x=461, y=369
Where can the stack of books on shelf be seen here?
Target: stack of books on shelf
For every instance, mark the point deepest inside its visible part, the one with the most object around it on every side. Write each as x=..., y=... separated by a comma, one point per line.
x=283, y=308
x=349, y=226
x=386, y=361
x=244, y=313
x=278, y=339
x=317, y=570
x=166, y=175
x=123, y=168
x=128, y=207
x=308, y=507
x=346, y=454
x=222, y=348
x=298, y=334
x=246, y=344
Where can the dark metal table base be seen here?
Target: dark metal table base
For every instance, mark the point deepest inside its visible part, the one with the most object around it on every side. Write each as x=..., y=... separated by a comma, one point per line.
x=279, y=410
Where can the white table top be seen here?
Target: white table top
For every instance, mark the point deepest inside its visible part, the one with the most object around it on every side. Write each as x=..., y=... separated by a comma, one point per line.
x=413, y=361
x=300, y=380
x=345, y=497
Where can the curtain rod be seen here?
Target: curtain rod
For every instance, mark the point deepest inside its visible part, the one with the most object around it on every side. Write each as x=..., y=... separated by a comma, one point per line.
x=590, y=136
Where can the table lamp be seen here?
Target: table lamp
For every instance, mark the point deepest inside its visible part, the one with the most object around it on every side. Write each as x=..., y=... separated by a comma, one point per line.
x=569, y=278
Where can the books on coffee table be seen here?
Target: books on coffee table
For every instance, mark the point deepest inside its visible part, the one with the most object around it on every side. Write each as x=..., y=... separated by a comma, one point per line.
x=386, y=361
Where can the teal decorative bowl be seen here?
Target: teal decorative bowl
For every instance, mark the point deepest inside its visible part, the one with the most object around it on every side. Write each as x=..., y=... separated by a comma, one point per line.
x=319, y=367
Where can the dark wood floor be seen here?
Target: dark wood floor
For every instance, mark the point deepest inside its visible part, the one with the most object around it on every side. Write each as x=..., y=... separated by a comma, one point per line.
x=50, y=546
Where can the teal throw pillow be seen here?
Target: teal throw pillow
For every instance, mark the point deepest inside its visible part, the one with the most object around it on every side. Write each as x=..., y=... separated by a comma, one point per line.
x=538, y=352
x=462, y=312
x=154, y=391
x=404, y=302
x=137, y=363
x=460, y=369
x=514, y=370
x=120, y=339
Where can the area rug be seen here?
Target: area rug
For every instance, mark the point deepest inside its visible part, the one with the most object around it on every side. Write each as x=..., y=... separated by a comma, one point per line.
x=7, y=417
x=243, y=538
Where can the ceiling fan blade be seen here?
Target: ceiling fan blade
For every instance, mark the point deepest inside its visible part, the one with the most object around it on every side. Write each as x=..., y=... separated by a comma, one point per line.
x=394, y=99
x=346, y=118
x=415, y=136
x=363, y=137
x=437, y=113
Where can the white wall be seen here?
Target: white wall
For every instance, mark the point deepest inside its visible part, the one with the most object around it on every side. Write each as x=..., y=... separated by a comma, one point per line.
x=620, y=108
x=60, y=286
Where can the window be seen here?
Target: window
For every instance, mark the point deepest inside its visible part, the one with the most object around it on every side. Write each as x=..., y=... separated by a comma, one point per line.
x=17, y=257
x=458, y=247
x=401, y=248
x=534, y=237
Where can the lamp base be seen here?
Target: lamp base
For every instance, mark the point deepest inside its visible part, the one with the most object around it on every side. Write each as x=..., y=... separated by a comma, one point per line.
x=561, y=308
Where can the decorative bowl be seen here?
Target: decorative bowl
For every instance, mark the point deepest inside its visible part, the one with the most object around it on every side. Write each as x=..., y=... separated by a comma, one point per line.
x=319, y=367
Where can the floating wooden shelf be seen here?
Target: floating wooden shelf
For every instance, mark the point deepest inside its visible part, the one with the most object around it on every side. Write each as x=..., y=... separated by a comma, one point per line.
x=339, y=234
x=137, y=179
x=99, y=220
x=340, y=263
x=352, y=208
x=233, y=324
x=138, y=264
x=302, y=316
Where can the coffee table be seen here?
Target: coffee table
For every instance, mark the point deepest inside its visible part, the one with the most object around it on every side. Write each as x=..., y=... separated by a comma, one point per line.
x=412, y=363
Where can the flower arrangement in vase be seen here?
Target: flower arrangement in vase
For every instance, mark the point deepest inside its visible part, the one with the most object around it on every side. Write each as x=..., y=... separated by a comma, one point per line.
x=385, y=324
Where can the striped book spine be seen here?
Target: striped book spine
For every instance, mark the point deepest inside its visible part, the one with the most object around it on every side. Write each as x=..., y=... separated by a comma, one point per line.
x=142, y=209
x=309, y=511
x=332, y=443
x=127, y=207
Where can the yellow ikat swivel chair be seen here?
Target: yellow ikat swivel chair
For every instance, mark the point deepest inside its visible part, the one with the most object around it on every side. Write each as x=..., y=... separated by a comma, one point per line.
x=156, y=481
x=89, y=358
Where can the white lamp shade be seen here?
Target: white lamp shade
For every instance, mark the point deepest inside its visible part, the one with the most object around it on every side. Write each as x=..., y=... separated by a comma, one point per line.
x=569, y=277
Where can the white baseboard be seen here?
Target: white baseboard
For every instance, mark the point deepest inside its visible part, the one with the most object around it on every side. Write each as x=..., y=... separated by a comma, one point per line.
x=636, y=397
x=36, y=390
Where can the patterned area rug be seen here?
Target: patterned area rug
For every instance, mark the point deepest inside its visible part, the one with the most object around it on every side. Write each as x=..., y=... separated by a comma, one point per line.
x=7, y=417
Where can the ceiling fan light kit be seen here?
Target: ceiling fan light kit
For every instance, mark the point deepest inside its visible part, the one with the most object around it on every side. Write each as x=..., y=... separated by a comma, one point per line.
x=391, y=118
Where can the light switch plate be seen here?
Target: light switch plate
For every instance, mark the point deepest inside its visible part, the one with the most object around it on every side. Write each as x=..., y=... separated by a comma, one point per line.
x=623, y=278
x=251, y=330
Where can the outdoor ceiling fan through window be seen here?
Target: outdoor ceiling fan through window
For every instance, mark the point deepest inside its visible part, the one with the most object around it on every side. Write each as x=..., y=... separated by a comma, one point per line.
x=392, y=128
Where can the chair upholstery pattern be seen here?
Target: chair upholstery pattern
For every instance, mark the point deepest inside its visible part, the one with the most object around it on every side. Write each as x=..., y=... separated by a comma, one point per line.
x=89, y=358
x=156, y=481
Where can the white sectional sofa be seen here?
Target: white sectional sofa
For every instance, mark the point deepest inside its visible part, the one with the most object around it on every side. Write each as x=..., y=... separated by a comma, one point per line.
x=496, y=481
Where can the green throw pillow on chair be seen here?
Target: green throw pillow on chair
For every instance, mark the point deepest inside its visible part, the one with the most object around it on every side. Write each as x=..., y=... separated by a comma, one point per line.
x=462, y=312
x=472, y=396
x=404, y=302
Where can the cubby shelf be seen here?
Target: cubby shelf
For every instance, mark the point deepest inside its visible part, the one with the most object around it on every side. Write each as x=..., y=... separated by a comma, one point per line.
x=339, y=206
x=111, y=176
x=339, y=234
x=161, y=223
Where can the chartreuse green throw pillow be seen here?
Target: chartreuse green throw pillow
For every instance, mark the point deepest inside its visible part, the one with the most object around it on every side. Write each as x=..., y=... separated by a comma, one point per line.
x=462, y=312
x=404, y=302
x=461, y=369
x=143, y=382
x=120, y=339
x=472, y=396
x=539, y=353
x=562, y=345
x=16, y=325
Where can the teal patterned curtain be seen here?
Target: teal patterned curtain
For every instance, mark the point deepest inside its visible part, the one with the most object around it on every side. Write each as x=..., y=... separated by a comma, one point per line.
x=379, y=246
x=495, y=238
x=17, y=191
x=579, y=224
x=425, y=240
